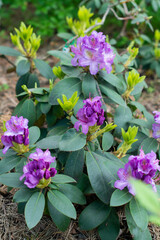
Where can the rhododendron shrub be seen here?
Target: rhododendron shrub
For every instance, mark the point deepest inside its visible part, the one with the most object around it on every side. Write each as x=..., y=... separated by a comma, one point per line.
x=86, y=138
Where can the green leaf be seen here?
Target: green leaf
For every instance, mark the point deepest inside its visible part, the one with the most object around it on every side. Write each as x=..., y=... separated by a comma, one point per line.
x=139, y=214
x=8, y=163
x=148, y=145
x=65, y=35
x=120, y=197
x=11, y=180
x=44, y=69
x=66, y=86
x=102, y=174
x=62, y=203
x=34, y=209
x=112, y=79
x=110, y=229
x=107, y=141
x=72, y=141
x=71, y=71
x=28, y=111
x=74, y=164
x=9, y=51
x=61, y=221
x=73, y=193
x=89, y=88
x=23, y=80
x=51, y=142
x=34, y=134
x=23, y=195
x=61, y=178
x=10, y=152
x=23, y=67
x=136, y=232
x=45, y=107
x=93, y=215
x=122, y=117
x=63, y=56
x=114, y=96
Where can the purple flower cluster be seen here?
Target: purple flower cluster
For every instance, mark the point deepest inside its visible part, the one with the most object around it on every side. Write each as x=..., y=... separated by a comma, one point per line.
x=156, y=126
x=94, y=52
x=142, y=167
x=90, y=114
x=16, y=131
x=39, y=168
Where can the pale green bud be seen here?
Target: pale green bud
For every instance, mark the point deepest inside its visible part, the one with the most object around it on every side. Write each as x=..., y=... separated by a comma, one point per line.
x=157, y=35
x=68, y=104
x=157, y=53
x=58, y=72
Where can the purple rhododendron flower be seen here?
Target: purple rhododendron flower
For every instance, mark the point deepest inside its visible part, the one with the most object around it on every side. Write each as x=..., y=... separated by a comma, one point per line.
x=17, y=131
x=156, y=130
x=142, y=167
x=157, y=116
x=39, y=168
x=90, y=114
x=94, y=52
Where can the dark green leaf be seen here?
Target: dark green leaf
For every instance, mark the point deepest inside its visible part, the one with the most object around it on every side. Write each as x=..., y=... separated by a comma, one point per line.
x=93, y=215
x=34, y=209
x=51, y=142
x=23, y=67
x=23, y=195
x=149, y=144
x=72, y=141
x=139, y=214
x=61, y=221
x=9, y=51
x=112, y=79
x=73, y=193
x=61, y=178
x=110, y=229
x=34, y=134
x=89, y=88
x=62, y=203
x=122, y=116
x=63, y=56
x=11, y=180
x=120, y=197
x=8, y=163
x=44, y=69
x=74, y=164
x=66, y=86
x=107, y=141
x=28, y=111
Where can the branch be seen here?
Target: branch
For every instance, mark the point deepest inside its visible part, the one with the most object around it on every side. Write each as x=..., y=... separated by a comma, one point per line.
x=121, y=18
x=6, y=58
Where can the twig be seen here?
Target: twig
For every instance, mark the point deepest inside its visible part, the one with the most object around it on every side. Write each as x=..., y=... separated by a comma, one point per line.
x=121, y=18
x=6, y=58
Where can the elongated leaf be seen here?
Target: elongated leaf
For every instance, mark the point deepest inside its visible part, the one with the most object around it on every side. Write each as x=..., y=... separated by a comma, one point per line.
x=72, y=141
x=34, y=209
x=114, y=96
x=89, y=86
x=66, y=86
x=23, y=195
x=73, y=193
x=8, y=163
x=99, y=210
x=63, y=56
x=61, y=221
x=74, y=164
x=9, y=51
x=34, y=134
x=149, y=144
x=62, y=203
x=61, y=178
x=136, y=231
x=44, y=69
x=51, y=142
x=122, y=116
x=28, y=111
x=139, y=214
x=110, y=228
x=112, y=79
x=11, y=180
x=120, y=197
x=107, y=141
x=23, y=67
x=102, y=173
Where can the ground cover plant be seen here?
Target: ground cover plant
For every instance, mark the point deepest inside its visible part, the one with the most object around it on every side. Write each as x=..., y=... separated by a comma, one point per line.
x=76, y=146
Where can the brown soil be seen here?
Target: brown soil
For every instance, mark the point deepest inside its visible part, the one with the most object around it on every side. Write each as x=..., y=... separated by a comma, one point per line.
x=12, y=224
